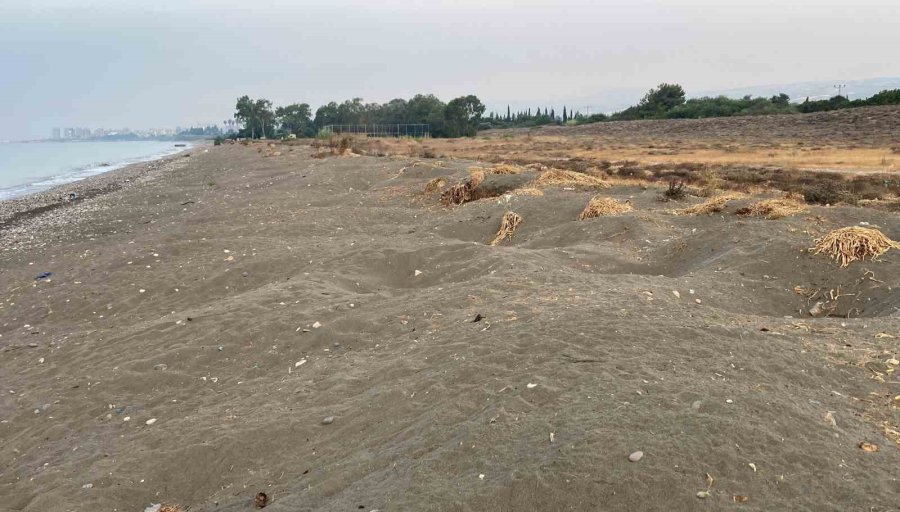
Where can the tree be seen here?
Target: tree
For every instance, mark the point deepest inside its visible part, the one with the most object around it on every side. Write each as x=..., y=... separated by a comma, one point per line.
x=565, y=116
x=244, y=113
x=462, y=116
x=264, y=115
x=295, y=118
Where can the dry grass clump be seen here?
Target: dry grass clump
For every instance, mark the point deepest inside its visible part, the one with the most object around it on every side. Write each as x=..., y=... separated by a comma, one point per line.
x=555, y=177
x=854, y=243
x=599, y=206
x=508, y=225
x=773, y=209
x=712, y=205
x=501, y=169
x=435, y=184
x=528, y=191
x=464, y=191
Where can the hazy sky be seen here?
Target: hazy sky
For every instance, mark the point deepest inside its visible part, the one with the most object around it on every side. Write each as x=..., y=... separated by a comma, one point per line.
x=158, y=63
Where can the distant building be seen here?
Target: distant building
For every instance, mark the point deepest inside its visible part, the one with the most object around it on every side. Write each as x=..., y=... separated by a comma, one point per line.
x=56, y=134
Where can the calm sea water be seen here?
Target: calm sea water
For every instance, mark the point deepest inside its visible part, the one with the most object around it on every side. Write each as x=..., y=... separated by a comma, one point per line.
x=27, y=167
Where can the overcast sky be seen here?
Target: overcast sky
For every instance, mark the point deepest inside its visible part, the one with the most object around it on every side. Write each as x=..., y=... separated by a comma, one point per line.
x=161, y=63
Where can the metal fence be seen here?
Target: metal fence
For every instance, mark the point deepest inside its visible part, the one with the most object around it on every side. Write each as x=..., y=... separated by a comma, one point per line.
x=417, y=131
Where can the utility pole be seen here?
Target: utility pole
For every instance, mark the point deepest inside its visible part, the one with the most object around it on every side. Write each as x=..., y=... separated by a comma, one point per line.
x=840, y=88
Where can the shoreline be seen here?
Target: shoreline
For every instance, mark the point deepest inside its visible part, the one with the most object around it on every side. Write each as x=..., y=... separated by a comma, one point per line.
x=18, y=209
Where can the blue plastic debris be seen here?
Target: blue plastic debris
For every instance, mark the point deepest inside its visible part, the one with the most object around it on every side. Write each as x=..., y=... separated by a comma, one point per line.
x=43, y=275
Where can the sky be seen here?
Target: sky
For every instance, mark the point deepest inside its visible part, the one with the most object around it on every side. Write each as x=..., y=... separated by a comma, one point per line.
x=162, y=63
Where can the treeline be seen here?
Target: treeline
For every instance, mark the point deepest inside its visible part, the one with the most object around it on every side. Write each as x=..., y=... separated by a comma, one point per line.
x=668, y=101
x=459, y=117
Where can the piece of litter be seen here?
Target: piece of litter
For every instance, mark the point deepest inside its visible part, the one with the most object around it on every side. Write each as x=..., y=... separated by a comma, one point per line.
x=151, y=421
x=703, y=494
x=299, y=363
x=417, y=273
x=316, y=325
x=481, y=476
x=530, y=385
x=752, y=466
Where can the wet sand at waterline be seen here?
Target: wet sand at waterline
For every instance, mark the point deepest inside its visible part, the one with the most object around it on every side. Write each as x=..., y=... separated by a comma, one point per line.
x=205, y=318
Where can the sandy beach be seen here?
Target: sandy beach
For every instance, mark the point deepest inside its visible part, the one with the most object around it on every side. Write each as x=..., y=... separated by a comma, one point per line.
x=245, y=318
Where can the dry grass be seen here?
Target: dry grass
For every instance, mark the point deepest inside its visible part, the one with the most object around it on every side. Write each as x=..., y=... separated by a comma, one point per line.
x=434, y=185
x=508, y=225
x=773, y=209
x=500, y=169
x=528, y=191
x=712, y=205
x=599, y=206
x=558, y=177
x=854, y=243
x=464, y=191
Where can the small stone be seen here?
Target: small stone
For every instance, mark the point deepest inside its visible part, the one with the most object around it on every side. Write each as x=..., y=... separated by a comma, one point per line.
x=729, y=401
x=676, y=294
x=696, y=405
x=151, y=421
x=636, y=456
x=160, y=366
x=316, y=325
x=703, y=495
x=245, y=274
x=221, y=348
x=328, y=420
x=299, y=363
x=142, y=290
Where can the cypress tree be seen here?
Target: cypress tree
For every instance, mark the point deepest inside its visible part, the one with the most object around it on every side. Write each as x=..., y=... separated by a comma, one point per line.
x=565, y=118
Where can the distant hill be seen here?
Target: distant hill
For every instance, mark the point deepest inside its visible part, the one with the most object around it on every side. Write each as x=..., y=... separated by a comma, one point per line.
x=815, y=90
x=614, y=100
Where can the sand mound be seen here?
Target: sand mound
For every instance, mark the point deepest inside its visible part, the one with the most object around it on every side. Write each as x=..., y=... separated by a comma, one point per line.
x=599, y=206
x=773, y=209
x=854, y=243
x=712, y=205
x=434, y=185
x=508, y=225
x=464, y=191
x=556, y=177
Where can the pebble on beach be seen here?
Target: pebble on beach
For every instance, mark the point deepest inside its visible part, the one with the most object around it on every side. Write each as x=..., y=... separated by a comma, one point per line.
x=328, y=420
x=636, y=456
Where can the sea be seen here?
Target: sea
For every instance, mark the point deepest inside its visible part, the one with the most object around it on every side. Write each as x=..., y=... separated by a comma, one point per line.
x=28, y=167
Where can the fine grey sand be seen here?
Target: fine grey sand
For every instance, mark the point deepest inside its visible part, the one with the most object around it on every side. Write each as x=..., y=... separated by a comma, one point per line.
x=202, y=322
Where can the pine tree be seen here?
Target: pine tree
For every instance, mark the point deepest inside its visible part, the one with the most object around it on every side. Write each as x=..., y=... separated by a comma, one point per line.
x=553, y=115
x=508, y=117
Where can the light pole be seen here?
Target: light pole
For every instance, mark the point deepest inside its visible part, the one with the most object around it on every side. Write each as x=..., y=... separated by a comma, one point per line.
x=840, y=88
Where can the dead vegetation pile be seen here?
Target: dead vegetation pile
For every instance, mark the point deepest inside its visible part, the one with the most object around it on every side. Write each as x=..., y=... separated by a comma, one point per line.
x=712, y=205
x=435, y=184
x=557, y=177
x=528, y=191
x=464, y=191
x=508, y=225
x=773, y=209
x=854, y=243
x=599, y=206
x=500, y=169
